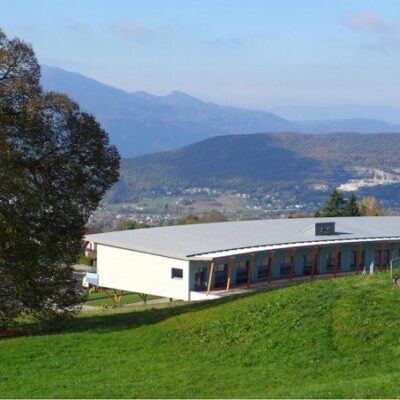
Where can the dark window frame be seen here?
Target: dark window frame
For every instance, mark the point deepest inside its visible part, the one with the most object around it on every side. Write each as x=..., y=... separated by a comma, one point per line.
x=263, y=268
x=242, y=270
x=331, y=262
x=355, y=257
x=285, y=266
x=176, y=273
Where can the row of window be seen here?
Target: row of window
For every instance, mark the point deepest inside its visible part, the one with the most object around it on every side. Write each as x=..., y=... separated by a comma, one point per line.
x=333, y=261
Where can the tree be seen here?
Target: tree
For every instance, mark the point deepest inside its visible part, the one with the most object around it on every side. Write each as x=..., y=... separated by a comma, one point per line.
x=56, y=164
x=211, y=216
x=334, y=206
x=352, y=208
x=369, y=206
x=130, y=224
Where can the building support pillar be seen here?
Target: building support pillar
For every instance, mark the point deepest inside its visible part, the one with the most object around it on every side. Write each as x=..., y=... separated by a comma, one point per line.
x=292, y=263
x=382, y=256
x=336, y=264
x=210, y=277
x=230, y=271
x=250, y=271
x=359, y=258
x=271, y=265
x=314, y=261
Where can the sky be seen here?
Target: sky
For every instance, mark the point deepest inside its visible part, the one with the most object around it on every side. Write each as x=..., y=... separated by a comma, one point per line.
x=250, y=53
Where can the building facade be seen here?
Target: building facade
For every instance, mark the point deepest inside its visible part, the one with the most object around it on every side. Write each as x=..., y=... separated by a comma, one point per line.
x=193, y=262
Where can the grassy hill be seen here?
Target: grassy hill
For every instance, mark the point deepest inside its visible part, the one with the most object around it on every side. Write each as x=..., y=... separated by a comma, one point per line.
x=273, y=162
x=330, y=339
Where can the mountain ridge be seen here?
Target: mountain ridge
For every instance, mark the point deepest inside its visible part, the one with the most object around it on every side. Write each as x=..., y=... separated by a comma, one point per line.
x=141, y=123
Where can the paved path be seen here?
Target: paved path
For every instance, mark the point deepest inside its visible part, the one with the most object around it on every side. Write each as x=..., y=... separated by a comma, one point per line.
x=86, y=307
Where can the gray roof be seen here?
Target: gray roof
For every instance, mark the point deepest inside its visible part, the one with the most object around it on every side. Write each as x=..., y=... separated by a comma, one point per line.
x=190, y=241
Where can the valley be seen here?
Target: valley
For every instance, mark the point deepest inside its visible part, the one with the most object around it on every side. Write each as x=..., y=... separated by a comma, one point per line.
x=254, y=176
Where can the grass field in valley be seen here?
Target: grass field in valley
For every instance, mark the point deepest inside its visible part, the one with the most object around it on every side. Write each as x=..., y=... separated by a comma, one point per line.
x=333, y=338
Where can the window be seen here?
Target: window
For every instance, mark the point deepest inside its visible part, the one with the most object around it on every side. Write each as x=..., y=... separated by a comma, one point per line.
x=176, y=273
x=263, y=268
x=221, y=271
x=242, y=272
x=308, y=264
x=382, y=257
x=358, y=257
x=286, y=264
x=331, y=262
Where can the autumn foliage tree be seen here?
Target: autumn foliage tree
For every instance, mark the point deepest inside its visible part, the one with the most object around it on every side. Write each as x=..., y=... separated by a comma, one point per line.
x=56, y=163
x=370, y=206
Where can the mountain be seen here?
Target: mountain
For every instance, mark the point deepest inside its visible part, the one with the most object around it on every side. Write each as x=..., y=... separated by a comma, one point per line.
x=285, y=162
x=140, y=123
x=307, y=113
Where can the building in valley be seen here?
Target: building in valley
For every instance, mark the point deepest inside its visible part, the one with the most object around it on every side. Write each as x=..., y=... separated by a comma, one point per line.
x=189, y=262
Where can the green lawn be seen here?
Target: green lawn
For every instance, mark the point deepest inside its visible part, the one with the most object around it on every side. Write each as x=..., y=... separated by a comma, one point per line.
x=97, y=299
x=332, y=339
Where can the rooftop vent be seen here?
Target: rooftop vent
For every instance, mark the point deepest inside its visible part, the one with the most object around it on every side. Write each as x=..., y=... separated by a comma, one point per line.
x=324, y=228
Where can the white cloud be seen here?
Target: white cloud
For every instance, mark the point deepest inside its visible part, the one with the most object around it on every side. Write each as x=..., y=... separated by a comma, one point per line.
x=384, y=33
x=138, y=30
x=369, y=22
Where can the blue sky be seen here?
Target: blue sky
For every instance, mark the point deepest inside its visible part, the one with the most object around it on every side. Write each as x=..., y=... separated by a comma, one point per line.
x=253, y=53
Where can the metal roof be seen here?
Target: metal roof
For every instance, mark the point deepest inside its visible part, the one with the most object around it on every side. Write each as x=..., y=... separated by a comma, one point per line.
x=207, y=241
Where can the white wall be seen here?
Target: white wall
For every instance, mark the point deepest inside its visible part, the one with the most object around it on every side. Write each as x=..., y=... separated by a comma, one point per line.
x=140, y=272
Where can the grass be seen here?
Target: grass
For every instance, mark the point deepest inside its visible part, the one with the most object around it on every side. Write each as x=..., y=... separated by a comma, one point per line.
x=84, y=260
x=99, y=299
x=332, y=339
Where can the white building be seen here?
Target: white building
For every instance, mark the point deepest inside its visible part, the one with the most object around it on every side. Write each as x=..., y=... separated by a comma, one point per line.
x=187, y=262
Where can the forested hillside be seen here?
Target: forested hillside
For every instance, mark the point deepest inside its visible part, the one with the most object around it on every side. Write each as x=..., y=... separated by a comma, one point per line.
x=263, y=161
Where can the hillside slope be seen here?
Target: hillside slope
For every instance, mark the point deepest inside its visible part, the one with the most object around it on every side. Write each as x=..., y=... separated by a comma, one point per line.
x=262, y=161
x=140, y=123
x=337, y=338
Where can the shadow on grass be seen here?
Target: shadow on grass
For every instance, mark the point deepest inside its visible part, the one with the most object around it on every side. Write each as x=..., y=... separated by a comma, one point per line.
x=123, y=319
x=103, y=322
x=120, y=319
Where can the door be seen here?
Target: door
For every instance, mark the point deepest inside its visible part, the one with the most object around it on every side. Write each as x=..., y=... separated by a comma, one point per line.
x=200, y=279
x=242, y=272
x=221, y=275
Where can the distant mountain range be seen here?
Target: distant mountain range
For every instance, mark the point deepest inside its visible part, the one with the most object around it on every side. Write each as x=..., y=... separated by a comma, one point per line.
x=140, y=123
x=300, y=164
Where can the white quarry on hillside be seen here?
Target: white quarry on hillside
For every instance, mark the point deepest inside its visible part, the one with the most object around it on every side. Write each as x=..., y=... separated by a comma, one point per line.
x=369, y=177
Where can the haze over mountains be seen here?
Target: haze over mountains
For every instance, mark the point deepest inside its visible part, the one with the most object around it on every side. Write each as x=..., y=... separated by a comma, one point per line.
x=140, y=123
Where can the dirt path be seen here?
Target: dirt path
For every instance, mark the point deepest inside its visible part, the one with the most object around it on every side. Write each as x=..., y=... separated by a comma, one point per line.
x=86, y=307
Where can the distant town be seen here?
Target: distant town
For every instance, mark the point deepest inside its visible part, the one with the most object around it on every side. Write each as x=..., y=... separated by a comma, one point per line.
x=168, y=207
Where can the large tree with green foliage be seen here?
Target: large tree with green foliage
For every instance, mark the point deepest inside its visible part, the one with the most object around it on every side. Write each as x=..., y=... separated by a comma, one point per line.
x=352, y=208
x=56, y=163
x=338, y=206
x=334, y=206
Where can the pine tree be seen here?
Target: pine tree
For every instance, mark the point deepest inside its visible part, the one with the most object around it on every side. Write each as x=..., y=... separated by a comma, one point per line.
x=334, y=206
x=352, y=208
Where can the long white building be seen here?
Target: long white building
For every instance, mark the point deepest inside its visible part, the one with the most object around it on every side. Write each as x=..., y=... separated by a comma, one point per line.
x=187, y=262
